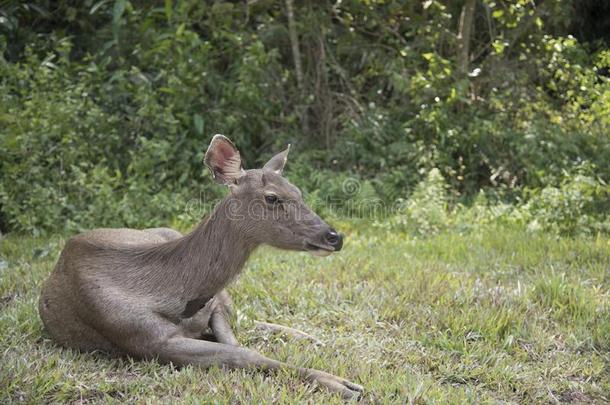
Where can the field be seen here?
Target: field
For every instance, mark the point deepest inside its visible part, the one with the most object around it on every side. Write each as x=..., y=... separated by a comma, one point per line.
x=494, y=315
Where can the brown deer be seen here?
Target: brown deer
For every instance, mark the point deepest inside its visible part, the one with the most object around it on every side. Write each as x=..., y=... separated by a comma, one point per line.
x=155, y=293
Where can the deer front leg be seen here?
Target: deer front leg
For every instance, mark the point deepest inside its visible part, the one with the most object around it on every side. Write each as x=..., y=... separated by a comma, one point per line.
x=295, y=333
x=215, y=316
x=154, y=337
x=183, y=351
x=197, y=326
x=219, y=321
x=221, y=328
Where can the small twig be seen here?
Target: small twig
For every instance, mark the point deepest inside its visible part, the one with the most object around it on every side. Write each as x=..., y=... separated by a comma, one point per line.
x=295, y=333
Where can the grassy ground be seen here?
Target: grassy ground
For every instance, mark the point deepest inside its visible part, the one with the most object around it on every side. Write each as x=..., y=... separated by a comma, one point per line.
x=496, y=315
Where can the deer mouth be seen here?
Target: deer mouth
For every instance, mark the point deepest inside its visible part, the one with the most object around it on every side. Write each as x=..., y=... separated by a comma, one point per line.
x=318, y=250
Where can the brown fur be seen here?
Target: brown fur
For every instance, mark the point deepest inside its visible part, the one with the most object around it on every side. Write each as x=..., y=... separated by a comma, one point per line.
x=154, y=293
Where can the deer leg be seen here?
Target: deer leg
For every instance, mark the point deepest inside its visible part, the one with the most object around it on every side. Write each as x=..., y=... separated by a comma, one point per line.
x=219, y=321
x=224, y=334
x=198, y=325
x=295, y=333
x=215, y=316
x=221, y=328
x=181, y=350
x=148, y=335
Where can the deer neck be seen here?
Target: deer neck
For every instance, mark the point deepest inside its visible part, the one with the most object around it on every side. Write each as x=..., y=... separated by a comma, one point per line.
x=203, y=262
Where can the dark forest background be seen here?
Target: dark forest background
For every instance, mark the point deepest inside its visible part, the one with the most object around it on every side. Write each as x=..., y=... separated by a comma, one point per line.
x=107, y=106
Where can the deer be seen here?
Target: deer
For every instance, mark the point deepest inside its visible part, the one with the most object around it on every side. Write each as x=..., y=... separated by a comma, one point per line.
x=158, y=294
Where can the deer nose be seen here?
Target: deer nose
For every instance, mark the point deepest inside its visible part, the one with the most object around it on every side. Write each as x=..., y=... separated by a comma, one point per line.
x=334, y=239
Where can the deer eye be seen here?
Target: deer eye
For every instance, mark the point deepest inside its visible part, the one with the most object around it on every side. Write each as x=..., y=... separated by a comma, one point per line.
x=272, y=199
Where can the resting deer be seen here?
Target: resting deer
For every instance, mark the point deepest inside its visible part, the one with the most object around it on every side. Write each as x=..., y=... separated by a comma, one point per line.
x=154, y=293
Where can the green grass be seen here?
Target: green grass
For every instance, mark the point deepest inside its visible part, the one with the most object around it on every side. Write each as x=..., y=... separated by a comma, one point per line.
x=496, y=315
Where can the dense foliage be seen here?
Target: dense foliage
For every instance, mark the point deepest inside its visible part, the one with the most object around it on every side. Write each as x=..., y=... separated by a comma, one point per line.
x=106, y=106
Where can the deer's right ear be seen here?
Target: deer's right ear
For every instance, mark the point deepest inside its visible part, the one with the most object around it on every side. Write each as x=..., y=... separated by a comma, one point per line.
x=222, y=158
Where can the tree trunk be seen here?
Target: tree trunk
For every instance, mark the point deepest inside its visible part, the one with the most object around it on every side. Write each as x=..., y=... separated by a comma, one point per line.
x=296, y=55
x=294, y=42
x=464, y=34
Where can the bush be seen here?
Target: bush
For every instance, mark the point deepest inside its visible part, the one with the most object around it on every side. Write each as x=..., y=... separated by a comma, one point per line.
x=106, y=106
x=426, y=211
x=579, y=205
x=69, y=162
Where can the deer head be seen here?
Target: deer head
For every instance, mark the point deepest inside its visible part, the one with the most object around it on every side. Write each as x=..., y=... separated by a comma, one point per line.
x=265, y=206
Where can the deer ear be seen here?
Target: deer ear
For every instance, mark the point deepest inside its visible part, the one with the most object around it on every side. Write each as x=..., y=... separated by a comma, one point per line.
x=278, y=162
x=222, y=158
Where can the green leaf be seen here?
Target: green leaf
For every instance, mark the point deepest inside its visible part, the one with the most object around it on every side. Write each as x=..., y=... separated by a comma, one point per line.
x=168, y=9
x=499, y=46
x=497, y=14
x=97, y=6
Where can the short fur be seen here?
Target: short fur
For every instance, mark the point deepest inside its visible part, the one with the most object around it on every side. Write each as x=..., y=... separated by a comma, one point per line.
x=155, y=293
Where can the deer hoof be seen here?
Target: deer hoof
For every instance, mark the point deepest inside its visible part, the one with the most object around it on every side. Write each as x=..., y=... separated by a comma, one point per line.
x=347, y=389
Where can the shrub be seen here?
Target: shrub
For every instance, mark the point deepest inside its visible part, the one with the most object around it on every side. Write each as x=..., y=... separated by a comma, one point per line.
x=579, y=205
x=105, y=108
x=426, y=211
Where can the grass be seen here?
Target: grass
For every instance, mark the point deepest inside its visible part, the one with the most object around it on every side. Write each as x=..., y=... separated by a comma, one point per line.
x=494, y=315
